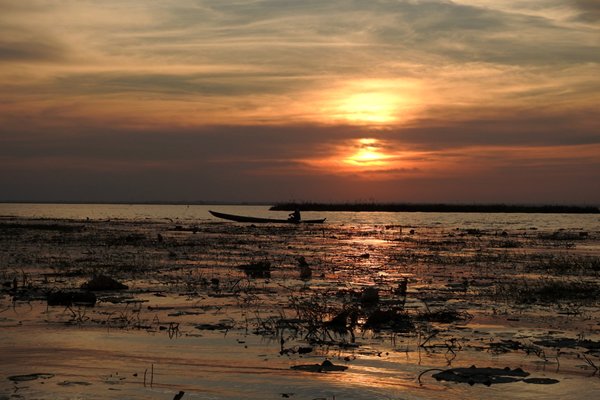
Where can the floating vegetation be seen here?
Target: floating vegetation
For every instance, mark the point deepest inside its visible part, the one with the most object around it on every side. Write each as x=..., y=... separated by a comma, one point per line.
x=564, y=235
x=486, y=376
x=68, y=298
x=569, y=264
x=221, y=326
x=65, y=228
x=325, y=366
x=30, y=377
x=549, y=290
x=562, y=343
x=74, y=383
x=444, y=316
x=103, y=283
x=259, y=269
x=371, y=295
x=396, y=320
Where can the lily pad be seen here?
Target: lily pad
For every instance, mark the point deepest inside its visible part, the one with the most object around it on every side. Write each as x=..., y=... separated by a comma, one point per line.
x=325, y=366
x=485, y=376
x=103, y=283
x=541, y=381
x=74, y=383
x=30, y=377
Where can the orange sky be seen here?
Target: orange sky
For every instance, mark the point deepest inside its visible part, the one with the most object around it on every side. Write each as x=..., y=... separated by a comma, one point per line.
x=434, y=101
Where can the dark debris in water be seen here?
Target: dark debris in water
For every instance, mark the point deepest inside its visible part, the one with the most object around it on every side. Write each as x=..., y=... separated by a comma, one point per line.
x=42, y=227
x=215, y=327
x=30, y=377
x=541, y=381
x=74, y=383
x=445, y=316
x=69, y=298
x=487, y=376
x=260, y=269
x=569, y=343
x=103, y=283
x=396, y=319
x=325, y=366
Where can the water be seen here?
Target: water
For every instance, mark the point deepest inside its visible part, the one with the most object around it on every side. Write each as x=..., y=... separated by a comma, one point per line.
x=113, y=349
x=199, y=213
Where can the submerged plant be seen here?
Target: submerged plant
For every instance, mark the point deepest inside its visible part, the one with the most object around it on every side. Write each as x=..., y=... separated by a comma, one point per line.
x=548, y=290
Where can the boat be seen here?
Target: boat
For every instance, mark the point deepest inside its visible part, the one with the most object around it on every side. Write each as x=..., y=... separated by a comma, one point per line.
x=257, y=220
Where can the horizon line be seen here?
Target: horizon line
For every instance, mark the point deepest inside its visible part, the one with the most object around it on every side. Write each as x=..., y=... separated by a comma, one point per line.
x=275, y=203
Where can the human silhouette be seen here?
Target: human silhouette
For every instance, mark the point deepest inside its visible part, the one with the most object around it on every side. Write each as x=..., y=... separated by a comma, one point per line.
x=295, y=216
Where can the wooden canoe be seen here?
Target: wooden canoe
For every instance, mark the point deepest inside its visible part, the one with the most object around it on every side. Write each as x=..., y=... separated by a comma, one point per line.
x=257, y=220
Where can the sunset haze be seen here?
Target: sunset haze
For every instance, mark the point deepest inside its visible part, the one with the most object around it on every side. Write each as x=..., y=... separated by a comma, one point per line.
x=470, y=101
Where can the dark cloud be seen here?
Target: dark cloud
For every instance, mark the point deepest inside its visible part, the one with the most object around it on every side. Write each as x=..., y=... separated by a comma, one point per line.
x=20, y=44
x=268, y=163
x=203, y=144
x=22, y=40
x=30, y=51
x=516, y=184
x=10, y=7
x=588, y=10
x=491, y=80
x=109, y=140
x=204, y=84
x=515, y=129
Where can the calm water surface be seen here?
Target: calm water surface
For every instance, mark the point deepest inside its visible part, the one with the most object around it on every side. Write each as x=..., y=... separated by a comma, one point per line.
x=199, y=213
x=86, y=349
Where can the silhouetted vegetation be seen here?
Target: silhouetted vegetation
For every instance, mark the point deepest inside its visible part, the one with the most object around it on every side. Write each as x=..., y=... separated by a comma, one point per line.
x=11, y=226
x=343, y=292
x=460, y=208
x=547, y=290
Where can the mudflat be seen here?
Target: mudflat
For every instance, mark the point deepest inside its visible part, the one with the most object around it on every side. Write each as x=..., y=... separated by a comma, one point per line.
x=102, y=309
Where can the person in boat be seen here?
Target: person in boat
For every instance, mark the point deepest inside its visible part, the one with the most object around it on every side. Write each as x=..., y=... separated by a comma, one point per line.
x=295, y=216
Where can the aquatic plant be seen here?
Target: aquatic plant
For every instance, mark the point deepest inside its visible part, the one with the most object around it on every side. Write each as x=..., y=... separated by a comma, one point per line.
x=548, y=290
x=568, y=264
x=258, y=269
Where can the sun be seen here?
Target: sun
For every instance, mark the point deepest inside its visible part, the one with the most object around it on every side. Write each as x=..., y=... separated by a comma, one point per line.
x=366, y=158
x=369, y=153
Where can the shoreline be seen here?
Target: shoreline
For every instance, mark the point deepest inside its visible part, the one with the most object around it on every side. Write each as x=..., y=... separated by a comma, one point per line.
x=441, y=208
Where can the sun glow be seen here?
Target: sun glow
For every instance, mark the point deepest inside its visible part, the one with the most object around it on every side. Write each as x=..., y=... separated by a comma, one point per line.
x=369, y=154
x=378, y=108
x=372, y=102
x=370, y=159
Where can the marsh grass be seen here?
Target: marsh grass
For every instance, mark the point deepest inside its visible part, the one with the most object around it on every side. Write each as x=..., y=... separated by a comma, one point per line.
x=548, y=290
x=444, y=315
x=213, y=272
x=569, y=264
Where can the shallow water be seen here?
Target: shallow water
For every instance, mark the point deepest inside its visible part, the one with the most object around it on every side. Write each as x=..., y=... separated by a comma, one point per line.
x=199, y=213
x=224, y=341
x=97, y=364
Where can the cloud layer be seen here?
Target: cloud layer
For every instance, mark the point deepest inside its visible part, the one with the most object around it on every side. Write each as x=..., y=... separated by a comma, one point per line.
x=263, y=100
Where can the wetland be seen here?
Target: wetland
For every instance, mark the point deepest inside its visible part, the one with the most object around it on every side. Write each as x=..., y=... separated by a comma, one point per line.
x=369, y=307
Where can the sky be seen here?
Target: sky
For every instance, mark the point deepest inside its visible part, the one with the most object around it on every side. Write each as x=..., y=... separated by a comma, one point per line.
x=465, y=101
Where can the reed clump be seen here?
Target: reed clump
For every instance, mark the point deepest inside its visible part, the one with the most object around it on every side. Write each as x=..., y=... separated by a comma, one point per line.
x=548, y=290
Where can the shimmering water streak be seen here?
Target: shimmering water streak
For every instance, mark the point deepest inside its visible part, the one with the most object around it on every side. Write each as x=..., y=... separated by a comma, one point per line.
x=199, y=213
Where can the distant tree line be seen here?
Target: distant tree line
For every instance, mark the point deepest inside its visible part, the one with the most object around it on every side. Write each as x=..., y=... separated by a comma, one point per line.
x=454, y=208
